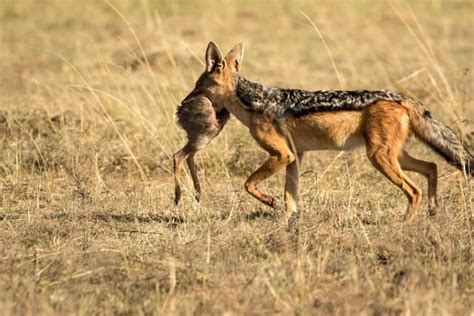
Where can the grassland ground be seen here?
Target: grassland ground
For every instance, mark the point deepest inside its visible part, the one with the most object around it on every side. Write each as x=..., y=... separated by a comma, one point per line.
x=88, y=93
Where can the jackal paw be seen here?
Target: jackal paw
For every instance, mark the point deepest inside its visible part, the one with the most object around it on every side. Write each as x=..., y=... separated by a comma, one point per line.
x=409, y=217
x=273, y=203
x=433, y=211
x=292, y=223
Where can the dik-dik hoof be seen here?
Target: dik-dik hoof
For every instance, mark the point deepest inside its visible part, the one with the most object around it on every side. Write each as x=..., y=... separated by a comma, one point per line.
x=177, y=196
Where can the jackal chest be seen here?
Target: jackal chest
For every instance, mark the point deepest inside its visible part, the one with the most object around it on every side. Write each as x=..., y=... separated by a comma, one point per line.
x=243, y=115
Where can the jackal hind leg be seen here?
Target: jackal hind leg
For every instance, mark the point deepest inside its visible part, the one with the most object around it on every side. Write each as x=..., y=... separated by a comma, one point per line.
x=390, y=167
x=276, y=145
x=387, y=127
x=427, y=169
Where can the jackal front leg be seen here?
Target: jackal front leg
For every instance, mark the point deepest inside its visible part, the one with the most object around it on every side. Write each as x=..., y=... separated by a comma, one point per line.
x=291, y=186
x=275, y=144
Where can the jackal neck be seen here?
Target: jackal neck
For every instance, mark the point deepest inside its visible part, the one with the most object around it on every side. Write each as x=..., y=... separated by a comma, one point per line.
x=256, y=97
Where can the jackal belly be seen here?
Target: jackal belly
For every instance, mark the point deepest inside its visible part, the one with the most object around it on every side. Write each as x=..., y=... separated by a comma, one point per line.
x=340, y=130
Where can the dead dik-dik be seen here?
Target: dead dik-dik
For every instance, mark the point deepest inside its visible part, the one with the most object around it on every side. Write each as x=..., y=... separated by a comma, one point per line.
x=202, y=123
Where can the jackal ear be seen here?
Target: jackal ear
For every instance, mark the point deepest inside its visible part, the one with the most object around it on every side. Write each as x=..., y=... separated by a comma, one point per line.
x=213, y=57
x=234, y=57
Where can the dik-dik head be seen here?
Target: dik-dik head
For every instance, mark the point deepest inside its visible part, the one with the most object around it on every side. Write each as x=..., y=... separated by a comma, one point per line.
x=216, y=82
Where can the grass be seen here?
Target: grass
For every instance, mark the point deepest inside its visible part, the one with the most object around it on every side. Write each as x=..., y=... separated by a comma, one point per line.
x=88, y=94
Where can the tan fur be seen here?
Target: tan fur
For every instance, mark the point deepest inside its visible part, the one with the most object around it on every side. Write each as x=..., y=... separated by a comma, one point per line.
x=382, y=128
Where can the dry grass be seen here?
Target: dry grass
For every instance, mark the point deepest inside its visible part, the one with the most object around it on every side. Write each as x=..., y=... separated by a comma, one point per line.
x=87, y=101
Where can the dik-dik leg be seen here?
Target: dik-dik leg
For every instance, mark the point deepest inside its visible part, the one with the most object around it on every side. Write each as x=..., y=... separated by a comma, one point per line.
x=187, y=153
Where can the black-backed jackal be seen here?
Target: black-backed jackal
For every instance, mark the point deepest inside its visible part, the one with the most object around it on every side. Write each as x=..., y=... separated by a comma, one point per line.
x=288, y=122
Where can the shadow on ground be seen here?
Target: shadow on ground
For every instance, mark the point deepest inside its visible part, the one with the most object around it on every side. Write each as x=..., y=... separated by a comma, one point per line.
x=261, y=214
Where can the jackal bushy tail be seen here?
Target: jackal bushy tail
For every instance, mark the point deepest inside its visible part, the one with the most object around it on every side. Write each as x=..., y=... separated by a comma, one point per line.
x=442, y=139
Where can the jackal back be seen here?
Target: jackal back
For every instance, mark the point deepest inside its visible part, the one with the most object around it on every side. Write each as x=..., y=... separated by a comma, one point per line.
x=279, y=102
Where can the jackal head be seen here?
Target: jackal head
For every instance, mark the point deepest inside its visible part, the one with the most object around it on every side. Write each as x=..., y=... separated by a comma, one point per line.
x=217, y=81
